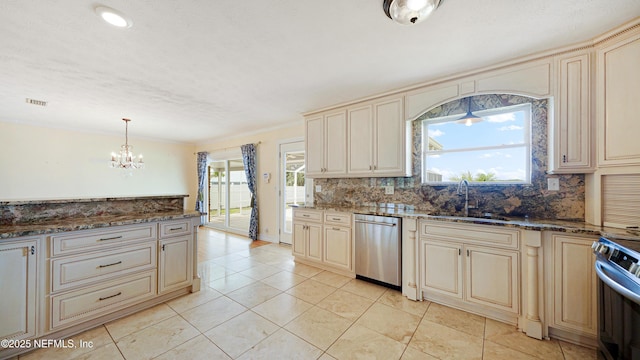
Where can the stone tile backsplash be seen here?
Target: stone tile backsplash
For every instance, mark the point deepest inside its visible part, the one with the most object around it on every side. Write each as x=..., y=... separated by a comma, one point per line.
x=508, y=200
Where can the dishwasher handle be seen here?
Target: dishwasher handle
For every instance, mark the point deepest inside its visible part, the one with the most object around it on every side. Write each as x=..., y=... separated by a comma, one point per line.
x=375, y=223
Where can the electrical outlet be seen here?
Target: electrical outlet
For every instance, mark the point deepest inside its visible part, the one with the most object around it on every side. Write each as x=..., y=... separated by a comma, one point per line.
x=388, y=190
x=553, y=184
x=318, y=188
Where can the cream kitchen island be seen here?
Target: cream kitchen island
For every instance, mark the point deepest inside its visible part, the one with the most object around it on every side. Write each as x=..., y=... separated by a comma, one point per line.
x=74, y=264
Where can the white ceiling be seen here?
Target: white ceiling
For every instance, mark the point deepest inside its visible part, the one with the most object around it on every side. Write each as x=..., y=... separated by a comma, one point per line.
x=197, y=70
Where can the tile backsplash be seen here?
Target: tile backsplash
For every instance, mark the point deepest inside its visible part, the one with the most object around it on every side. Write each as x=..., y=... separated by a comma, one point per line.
x=533, y=200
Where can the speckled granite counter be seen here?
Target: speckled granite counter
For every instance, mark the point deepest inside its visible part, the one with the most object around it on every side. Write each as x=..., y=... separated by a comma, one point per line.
x=71, y=224
x=37, y=217
x=575, y=227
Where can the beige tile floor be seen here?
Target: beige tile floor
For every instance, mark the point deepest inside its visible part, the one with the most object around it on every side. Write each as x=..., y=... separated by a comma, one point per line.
x=256, y=303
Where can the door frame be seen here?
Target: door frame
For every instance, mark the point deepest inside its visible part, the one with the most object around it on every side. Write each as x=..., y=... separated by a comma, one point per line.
x=281, y=179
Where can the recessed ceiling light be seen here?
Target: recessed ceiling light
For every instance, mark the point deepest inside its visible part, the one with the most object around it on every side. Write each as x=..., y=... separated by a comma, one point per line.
x=113, y=17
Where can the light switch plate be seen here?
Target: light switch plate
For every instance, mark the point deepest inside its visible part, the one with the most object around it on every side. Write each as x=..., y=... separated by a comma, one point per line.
x=553, y=184
x=318, y=188
x=388, y=190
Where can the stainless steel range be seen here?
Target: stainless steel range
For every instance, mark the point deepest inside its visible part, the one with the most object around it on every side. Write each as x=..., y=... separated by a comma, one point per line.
x=618, y=267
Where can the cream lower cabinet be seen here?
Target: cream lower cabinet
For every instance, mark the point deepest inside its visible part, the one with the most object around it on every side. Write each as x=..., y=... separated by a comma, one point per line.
x=572, y=297
x=18, y=281
x=174, y=263
x=473, y=267
x=441, y=268
x=94, y=273
x=491, y=277
x=307, y=234
x=337, y=247
x=323, y=239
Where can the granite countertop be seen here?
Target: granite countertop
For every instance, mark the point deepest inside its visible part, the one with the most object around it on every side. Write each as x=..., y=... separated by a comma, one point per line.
x=567, y=226
x=87, y=200
x=84, y=223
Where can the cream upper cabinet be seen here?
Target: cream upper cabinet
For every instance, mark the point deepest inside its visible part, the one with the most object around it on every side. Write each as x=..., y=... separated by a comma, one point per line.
x=617, y=94
x=571, y=141
x=378, y=139
x=361, y=140
x=326, y=144
x=573, y=297
x=531, y=78
x=18, y=303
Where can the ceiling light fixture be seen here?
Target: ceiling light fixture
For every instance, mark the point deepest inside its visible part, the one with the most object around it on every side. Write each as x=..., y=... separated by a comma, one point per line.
x=126, y=159
x=408, y=12
x=113, y=17
x=469, y=119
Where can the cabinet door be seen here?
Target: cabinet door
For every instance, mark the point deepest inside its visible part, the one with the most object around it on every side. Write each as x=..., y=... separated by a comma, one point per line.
x=618, y=106
x=441, y=267
x=314, y=243
x=175, y=265
x=18, y=282
x=337, y=247
x=390, y=141
x=360, y=157
x=573, y=138
x=575, y=284
x=491, y=277
x=314, y=155
x=335, y=149
x=299, y=247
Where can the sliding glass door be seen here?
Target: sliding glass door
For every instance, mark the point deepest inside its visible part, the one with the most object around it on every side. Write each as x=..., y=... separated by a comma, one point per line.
x=229, y=197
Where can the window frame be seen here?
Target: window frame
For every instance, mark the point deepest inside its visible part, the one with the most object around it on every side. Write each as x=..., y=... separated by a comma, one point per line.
x=525, y=107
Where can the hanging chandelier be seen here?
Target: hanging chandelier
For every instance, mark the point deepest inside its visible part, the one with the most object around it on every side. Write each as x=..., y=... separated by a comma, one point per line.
x=125, y=159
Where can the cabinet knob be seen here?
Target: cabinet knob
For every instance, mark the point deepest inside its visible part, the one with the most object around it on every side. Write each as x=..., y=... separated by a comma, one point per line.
x=33, y=250
x=564, y=158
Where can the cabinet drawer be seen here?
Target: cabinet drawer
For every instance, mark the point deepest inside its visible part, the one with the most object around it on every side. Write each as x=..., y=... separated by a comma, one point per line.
x=81, y=270
x=335, y=218
x=307, y=215
x=174, y=228
x=89, y=240
x=91, y=302
x=471, y=234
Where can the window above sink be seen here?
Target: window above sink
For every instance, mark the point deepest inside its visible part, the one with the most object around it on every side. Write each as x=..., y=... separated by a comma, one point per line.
x=495, y=148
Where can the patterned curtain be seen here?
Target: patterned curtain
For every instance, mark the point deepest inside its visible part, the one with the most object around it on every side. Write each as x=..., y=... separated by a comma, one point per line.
x=202, y=180
x=249, y=160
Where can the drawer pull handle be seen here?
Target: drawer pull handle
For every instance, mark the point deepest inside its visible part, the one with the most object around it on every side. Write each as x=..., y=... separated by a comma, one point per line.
x=174, y=229
x=336, y=229
x=109, y=297
x=115, y=263
x=111, y=238
x=305, y=215
x=335, y=219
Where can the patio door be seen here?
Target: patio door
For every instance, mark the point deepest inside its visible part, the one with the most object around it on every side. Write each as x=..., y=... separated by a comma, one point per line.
x=229, y=196
x=291, y=185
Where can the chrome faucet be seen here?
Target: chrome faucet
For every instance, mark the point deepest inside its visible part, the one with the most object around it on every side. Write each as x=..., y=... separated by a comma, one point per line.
x=466, y=195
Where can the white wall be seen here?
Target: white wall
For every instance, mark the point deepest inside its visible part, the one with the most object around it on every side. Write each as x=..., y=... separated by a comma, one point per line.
x=44, y=163
x=267, y=158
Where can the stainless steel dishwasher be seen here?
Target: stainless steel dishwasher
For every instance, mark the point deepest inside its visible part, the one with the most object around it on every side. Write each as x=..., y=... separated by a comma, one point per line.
x=378, y=249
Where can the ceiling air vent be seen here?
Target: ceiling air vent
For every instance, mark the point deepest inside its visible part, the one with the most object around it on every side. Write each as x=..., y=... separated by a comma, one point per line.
x=36, y=102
